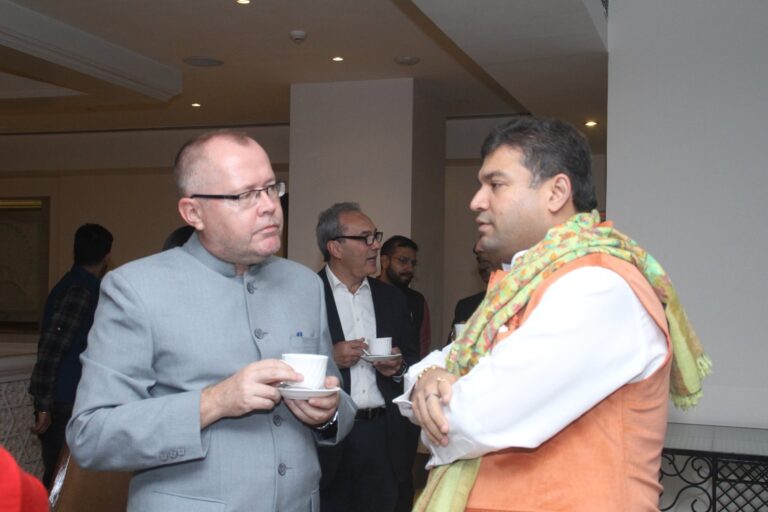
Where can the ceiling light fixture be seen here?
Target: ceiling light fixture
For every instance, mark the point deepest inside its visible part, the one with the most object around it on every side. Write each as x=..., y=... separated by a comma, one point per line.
x=407, y=60
x=197, y=105
x=337, y=59
x=591, y=124
x=243, y=2
x=297, y=36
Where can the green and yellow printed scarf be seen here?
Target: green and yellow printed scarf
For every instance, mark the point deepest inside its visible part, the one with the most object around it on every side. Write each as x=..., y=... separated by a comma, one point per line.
x=449, y=486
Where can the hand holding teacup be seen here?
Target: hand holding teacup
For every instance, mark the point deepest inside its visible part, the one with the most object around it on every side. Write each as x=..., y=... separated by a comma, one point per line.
x=383, y=347
x=347, y=353
x=317, y=410
x=312, y=367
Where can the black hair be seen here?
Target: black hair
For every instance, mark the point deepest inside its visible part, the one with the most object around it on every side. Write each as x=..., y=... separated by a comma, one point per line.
x=92, y=244
x=549, y=147
x=396, y=241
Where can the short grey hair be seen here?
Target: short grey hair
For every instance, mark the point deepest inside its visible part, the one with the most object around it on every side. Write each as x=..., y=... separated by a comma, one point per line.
x=329, y=226
x=192, y=158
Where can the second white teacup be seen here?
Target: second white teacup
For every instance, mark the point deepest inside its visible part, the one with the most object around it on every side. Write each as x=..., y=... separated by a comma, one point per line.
x=458, y=330
x=312, y=366
x=379, y=346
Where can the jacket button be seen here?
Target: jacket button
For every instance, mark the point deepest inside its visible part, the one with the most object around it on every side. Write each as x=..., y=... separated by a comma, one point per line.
x=259, y=333
x=250, y=287
x=277, y=420
x=281, y=469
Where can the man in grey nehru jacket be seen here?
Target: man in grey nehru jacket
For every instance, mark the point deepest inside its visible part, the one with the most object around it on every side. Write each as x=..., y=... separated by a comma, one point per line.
x=182, y=372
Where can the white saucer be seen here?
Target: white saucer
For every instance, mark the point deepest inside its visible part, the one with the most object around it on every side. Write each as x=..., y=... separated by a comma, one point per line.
x=389, y=357
x=304, y=393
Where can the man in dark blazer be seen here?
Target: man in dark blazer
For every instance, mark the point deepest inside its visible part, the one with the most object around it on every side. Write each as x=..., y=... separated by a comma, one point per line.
x=364, y=472
x=466, y=306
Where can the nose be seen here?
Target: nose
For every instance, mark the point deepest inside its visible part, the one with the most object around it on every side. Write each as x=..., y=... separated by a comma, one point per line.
x=479, y=201
x=267, y=204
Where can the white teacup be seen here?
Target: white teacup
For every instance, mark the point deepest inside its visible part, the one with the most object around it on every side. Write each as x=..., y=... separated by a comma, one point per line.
x=312, y=366
x=458, y=330
x=379, y=346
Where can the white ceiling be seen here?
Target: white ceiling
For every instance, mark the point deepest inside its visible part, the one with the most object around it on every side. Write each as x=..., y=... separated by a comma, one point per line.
x=84, y=65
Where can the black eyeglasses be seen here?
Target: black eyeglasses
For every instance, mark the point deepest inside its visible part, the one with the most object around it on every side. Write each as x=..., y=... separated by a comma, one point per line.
x=250, y=197
x=368, y=239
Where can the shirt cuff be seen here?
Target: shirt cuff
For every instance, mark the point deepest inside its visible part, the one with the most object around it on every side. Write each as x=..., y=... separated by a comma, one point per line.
x=403, y=402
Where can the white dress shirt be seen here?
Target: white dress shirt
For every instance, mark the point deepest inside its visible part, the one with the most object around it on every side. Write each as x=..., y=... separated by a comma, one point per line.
x=589, y=336
x=358, y=320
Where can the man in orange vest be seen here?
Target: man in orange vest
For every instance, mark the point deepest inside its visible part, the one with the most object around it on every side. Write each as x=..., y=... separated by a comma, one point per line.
x=555, y=396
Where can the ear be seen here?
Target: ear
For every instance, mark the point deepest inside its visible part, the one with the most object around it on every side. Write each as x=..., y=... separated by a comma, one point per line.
x=558, y=193
x=384, y=260
x=334, y=248
x=189, y=209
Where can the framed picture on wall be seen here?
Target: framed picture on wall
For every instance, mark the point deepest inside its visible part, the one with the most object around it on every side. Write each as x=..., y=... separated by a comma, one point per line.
x=24, y=228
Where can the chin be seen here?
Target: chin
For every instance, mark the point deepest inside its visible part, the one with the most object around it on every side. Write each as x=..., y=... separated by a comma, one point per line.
x=265, y=250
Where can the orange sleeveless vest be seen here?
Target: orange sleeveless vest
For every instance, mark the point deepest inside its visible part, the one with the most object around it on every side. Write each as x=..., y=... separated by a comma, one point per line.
x=606, y=460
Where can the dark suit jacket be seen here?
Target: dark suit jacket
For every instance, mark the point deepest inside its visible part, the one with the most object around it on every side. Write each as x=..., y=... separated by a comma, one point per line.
x=464, y=309
x=466, y=306
x=392, y=320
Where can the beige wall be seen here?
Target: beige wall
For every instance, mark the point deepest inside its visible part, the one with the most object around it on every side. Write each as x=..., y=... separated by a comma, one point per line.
x=428, y=202
x=102, y=152
x=138, y=208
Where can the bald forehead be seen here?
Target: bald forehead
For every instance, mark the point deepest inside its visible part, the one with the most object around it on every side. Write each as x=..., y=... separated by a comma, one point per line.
x=203, y=154
x=220, y=153
x=224, y=143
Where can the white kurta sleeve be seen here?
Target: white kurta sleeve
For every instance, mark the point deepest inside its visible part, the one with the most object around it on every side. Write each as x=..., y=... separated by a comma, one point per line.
x=403, y=402
x=589, y=336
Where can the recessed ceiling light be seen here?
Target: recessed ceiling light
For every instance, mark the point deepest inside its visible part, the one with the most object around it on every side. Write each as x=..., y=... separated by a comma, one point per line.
x=200, y=61
x=407, y=60
x=337, y=59
x=197, y=105
x=297, y=36
x=243, y=2
x=590, y=123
